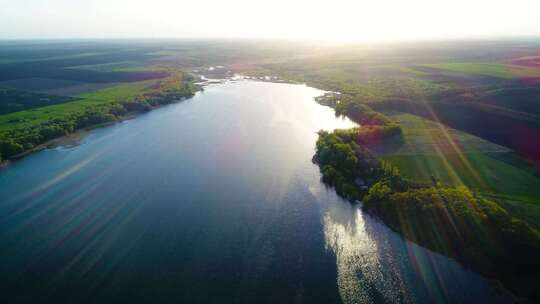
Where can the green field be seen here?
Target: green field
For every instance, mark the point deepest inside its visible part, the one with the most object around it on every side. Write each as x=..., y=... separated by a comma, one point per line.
x=488, y=69
x=431, y=150
x=125, y=91
x=474, y=170
x=29, y=118
x=423, y=136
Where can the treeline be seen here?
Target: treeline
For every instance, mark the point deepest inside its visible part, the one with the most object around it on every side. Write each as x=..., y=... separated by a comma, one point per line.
x=16, y=141
x=344, y=158
x=375, y=126
x=464, y=226
x=347, y=166
x=452, y=221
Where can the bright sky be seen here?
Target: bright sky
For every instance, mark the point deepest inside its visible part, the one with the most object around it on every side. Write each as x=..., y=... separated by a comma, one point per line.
x=358, y=20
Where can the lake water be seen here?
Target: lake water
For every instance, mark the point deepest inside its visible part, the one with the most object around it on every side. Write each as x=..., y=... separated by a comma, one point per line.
x=212, y=200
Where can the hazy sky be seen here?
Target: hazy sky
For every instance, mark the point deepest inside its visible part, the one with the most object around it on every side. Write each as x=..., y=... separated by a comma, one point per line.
x=333, y=19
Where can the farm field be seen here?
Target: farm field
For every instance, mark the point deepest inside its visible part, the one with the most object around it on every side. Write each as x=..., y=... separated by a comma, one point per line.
x=57, y=87
x=489, y=69
x=432, y=150
x=27, y=119
x=421, y=136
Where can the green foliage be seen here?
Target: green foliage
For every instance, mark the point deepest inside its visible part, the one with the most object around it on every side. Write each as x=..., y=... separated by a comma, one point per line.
x=360, y=112
x=24, y=130
x=369, y=82
x=343, y=162
x=9, y=147
x=462, y=225
x=375, y=126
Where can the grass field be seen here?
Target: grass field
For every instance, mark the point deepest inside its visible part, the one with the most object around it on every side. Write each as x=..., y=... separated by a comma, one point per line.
x=122, y=66
x=26, y=119
x=475, y=170
x=124, y=91
x=488, y=69
x=422, y=136
x=431, y=150
x=56, y=87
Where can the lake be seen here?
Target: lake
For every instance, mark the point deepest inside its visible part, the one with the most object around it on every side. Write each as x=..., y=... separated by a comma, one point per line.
x=211, y=200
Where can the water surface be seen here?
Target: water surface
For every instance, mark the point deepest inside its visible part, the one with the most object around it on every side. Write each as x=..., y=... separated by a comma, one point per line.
x=212, y=200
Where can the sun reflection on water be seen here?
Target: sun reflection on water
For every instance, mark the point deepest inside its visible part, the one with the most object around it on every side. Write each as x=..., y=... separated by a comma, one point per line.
x=363, y=277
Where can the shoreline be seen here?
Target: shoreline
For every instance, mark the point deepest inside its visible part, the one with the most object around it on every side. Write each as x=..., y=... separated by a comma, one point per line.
x=74, y=138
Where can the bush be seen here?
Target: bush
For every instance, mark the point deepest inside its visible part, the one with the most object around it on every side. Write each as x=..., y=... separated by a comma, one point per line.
x=10, y=148
x=52, y=131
